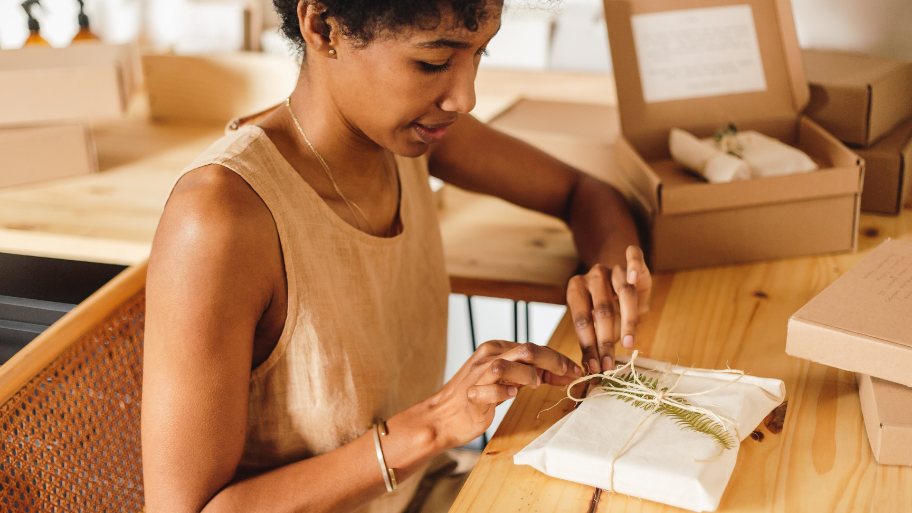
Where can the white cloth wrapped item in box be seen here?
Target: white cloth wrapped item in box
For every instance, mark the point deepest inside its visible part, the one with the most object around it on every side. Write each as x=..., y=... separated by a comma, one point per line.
x=737, y=156
x=614, y=445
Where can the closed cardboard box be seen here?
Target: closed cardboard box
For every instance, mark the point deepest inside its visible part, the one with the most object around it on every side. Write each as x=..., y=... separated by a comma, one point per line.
x=216, y=88
x=861, y=322
x=888, y=177
x=579, y=134
x=39, y=153
x=698, y=66
x=887, y=411
x=65, y=84
x=858, y=98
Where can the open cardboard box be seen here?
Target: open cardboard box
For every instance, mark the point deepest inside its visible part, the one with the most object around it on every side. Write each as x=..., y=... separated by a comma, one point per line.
x=579, y=134
x=860, y=323
x=39, y=153
x=79, y=82
x=887, y=411
x=858, y=98
x=888, y=172
x=694, y=223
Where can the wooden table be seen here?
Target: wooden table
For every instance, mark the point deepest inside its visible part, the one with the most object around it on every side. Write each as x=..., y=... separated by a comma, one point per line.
x=492, y=248
x=820, y=461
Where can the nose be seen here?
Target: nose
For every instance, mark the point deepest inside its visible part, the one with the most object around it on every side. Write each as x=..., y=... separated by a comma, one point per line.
x=460, y=97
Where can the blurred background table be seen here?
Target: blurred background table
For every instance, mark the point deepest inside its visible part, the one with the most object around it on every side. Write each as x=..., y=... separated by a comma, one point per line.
x=492, y=248
x=818, y=459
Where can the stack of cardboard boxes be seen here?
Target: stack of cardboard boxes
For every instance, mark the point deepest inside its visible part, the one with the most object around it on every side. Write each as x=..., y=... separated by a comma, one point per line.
x=866, y=102
x=861, y=323
x=47, y=97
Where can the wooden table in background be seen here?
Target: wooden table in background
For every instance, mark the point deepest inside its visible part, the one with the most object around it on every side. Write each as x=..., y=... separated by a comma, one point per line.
x=821, y=460
x=492, y=248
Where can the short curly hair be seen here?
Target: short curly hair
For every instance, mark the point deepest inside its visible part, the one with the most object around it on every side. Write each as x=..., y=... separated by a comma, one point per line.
x=365, y=20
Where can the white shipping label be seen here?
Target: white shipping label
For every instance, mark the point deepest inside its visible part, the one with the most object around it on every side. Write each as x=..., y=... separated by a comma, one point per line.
x=696, y=53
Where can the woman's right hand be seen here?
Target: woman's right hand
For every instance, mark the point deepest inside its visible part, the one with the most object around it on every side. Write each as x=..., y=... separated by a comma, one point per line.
x=464, y=407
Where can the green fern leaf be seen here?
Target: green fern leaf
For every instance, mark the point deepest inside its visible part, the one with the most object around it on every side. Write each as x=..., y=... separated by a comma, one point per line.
x=687, y=420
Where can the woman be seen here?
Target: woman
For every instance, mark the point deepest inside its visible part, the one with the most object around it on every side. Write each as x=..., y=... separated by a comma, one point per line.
x=296, y=289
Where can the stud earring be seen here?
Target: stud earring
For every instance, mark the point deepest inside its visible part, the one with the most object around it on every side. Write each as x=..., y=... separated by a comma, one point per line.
x=332, y=52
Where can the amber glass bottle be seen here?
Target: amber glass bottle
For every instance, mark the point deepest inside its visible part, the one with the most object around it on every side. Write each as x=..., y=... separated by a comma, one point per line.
x=34, y=38
x=84, y=35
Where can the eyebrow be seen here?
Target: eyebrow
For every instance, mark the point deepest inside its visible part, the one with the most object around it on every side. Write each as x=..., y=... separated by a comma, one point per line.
x=449, y=43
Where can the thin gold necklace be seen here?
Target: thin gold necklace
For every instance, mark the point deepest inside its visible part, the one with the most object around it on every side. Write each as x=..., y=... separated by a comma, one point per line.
x=348, y=203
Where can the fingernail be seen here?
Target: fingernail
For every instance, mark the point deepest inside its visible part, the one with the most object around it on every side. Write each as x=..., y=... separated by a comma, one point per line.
x=538, y=381
x=511, y=391
x=607, y=364
x=594, y=366
x=632, y=277
x=577, y=371
x=628, y=341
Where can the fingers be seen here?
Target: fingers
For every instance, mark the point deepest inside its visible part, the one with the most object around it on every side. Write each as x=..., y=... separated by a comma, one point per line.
x=580, y=304
x=627, y=298
x=482, y=396
x=639, y=276
x=511, y=372
x=604, y=314
x=543, y=358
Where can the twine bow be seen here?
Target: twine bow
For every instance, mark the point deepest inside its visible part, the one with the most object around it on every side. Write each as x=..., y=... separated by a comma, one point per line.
x=657, y=400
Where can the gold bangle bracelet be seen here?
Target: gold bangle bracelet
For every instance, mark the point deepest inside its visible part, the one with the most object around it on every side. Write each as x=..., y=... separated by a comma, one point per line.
x=389, y=477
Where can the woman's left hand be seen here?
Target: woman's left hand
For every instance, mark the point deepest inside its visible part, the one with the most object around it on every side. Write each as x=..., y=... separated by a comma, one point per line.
x=606, y=305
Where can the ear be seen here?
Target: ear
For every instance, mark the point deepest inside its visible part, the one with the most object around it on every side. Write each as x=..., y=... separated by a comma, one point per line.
x=320, y=35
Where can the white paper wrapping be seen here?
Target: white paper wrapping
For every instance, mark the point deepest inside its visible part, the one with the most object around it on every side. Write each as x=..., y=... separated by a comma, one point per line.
x=761, y=157
x=661, y=463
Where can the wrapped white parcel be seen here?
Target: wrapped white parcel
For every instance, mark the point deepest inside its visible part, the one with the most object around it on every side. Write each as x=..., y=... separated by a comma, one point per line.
x=615, y=445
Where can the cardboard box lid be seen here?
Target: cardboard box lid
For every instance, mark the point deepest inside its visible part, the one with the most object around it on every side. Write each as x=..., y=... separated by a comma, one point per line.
x=872, y=300
x=871, y=95
x=646, y=125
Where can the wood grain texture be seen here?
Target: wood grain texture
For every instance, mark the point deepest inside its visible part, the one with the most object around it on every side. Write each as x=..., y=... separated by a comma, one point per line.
x=735, y=315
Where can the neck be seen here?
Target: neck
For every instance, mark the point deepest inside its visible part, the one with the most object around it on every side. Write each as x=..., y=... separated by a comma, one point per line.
x=350, y=154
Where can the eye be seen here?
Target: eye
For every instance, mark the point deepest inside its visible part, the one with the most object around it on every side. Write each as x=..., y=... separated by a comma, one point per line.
x=427, y=67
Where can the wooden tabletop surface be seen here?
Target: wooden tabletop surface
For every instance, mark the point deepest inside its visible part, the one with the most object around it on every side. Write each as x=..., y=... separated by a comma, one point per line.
x=492, y=248
x=820, y=461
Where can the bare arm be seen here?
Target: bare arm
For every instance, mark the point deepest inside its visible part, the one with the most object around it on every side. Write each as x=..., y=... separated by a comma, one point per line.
x=478, y=158
x=213, y=273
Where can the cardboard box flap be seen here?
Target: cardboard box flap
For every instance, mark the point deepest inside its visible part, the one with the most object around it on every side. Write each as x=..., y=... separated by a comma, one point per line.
x=689, y=53
x=873, y=299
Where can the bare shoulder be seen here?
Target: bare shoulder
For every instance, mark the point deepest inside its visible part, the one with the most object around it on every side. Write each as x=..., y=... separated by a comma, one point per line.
x=215, y=225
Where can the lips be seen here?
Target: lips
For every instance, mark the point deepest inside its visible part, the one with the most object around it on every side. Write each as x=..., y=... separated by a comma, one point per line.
x=430, y=134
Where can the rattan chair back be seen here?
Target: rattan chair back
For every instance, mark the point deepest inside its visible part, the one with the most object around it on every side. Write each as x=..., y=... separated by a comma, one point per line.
x=70, y=408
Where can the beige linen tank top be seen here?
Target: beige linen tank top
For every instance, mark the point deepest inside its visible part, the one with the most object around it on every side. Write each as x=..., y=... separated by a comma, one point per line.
x=365, y=333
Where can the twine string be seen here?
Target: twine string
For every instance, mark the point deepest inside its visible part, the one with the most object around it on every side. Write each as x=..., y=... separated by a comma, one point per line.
x=638, y=391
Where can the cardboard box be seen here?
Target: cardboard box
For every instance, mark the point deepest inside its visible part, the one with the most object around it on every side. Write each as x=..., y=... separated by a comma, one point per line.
x=694, y=223
x=888, y=172
x=887, y=411
x=216, y=88
x=579, y=134
x=39, y=153
x=858, y=98
x=39, y=85
x=861, y=321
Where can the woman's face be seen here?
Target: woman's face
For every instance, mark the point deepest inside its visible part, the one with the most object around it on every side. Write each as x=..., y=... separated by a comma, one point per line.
x=402, y=91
